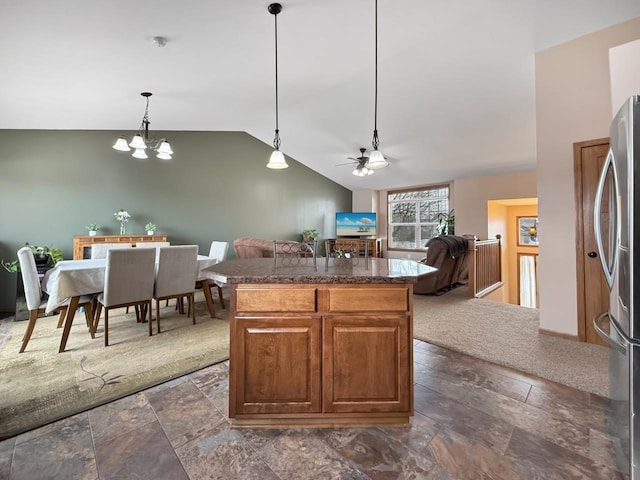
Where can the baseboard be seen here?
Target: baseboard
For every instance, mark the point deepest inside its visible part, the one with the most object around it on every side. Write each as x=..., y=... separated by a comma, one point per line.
x=558, y=334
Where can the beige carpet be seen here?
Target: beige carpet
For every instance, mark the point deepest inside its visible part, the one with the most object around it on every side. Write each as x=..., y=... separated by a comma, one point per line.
x=508, y=335
x=40, y=385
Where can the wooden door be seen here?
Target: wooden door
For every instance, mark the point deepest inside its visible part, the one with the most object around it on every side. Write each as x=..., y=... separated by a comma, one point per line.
x=593, y=292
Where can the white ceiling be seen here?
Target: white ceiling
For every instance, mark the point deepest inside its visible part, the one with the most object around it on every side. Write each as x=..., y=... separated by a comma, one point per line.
x=455, y=79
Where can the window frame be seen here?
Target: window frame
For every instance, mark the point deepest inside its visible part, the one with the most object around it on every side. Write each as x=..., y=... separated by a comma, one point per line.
x=416, y=224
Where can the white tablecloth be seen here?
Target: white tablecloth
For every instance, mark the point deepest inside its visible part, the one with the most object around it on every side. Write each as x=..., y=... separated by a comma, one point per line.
x=71, y=278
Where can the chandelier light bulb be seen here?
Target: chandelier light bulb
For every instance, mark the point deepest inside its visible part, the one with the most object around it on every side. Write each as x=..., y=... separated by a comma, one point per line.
x=165, y=148
x=122, y=145
x=277, y=161
x=137, y=142
x=140, y=154
x=377, y=160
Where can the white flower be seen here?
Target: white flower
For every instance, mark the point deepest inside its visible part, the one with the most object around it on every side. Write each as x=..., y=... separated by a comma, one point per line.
x=122, y=216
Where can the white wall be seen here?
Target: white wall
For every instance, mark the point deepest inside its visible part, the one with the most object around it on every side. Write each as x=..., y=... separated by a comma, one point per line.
x=470, y=197
x=573, y=104
x=624, y=62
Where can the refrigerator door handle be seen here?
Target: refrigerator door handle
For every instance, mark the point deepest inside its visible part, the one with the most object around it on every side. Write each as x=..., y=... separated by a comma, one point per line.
x=597, y=325
x=596, y=219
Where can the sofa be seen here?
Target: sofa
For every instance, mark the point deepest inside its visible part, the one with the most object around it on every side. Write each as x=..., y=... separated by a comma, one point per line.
x=248, y=247
x=447, y=253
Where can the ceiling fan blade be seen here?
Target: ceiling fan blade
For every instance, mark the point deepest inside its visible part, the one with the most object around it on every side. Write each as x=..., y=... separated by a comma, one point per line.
x=348, y=163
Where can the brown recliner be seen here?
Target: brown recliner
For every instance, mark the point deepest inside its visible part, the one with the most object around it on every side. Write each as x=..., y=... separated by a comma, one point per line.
x=447, y=253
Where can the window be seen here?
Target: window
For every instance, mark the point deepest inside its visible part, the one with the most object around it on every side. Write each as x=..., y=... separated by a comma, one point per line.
x=413, y=215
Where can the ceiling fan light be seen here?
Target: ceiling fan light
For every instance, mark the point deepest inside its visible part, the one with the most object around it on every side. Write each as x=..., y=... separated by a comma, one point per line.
x=361, y=171
x=377, y=160
x=277, y=161
x=165, y=148
x=121, y=145
x=140, y=153
x=138, y=142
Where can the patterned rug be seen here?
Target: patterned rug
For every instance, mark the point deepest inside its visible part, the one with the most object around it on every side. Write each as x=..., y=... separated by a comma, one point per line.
x=40, y=385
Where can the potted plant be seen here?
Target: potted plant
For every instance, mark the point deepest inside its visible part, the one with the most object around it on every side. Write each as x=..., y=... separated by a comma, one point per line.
x=446, y=223
x=45, y=257
x=150, y=228
x=309, y=235
x=93, y=228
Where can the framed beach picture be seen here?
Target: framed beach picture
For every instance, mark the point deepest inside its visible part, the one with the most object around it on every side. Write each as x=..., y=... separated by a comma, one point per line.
x=528, y=231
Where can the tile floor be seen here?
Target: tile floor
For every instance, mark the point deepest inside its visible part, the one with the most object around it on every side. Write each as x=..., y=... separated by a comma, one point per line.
x=473, y=420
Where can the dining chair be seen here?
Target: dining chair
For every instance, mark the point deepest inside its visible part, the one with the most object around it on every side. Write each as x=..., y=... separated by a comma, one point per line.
x=33, y=295
x=218, y=250
x=176, y=275
x=99, y=250
x=156, y=245
x=347, y=251
x=287, y=252
x=128, y=281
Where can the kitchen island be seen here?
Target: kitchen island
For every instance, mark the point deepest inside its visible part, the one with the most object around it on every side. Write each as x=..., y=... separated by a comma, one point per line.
x=321, y=343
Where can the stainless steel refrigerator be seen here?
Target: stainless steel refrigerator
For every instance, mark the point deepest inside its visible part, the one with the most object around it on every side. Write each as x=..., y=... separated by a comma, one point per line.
x=617, y=231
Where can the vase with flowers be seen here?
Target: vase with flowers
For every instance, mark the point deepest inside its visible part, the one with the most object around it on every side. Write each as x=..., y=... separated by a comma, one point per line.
x=123, y=217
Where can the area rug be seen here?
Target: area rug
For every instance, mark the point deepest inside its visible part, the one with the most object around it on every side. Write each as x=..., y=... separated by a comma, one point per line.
x=508, y=335
x=40, y=385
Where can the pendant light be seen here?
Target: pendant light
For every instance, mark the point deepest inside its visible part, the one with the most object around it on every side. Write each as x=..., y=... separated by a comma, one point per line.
x=141, y=140
x=277, y=160
x=376, y=159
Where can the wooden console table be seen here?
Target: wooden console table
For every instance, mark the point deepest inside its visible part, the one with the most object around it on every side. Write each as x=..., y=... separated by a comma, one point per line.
x=375, y=249
x=82, y=243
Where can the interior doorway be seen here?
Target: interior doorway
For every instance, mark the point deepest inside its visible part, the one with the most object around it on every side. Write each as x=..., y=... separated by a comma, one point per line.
x=516, y=220
x=528, y=280
x=592, y=289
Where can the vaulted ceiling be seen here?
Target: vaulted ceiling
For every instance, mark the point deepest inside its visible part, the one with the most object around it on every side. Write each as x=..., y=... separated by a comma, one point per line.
x=455, y=79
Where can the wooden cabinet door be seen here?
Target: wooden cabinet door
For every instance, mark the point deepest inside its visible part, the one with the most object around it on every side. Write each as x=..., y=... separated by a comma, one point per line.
x=277, y=365
x=366, y=363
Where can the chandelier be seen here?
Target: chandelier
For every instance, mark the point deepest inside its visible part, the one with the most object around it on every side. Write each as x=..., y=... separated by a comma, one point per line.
x=376, y=159
x=277, y=160
x=142, y=141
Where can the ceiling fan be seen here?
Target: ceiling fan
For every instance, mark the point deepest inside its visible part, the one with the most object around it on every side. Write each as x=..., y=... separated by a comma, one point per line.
x=361, y=169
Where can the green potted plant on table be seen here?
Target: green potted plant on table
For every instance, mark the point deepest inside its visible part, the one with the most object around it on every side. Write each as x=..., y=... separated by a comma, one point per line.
x=309, y=235
x=46, y=258
x=150, y=228
x=93, y=228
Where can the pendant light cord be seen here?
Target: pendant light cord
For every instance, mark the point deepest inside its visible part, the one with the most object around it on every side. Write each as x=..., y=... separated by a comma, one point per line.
x=376, y=140
x=276, y=139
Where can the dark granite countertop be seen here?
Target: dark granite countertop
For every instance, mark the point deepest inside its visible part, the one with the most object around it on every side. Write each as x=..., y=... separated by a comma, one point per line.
x=332, y=270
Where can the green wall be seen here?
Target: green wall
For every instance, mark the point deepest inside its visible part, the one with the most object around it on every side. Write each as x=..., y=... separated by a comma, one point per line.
x=53, y=183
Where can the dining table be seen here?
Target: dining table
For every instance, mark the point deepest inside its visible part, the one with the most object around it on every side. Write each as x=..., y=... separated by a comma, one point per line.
x=70, y=279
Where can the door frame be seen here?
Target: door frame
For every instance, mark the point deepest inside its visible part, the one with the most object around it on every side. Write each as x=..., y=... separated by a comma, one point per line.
x=577, y=181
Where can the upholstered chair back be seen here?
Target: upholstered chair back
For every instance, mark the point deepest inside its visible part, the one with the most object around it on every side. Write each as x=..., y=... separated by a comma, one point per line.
x=99, y=250
x=30, y=280
x=219, y=250
x=129, y=276
x=177, y=270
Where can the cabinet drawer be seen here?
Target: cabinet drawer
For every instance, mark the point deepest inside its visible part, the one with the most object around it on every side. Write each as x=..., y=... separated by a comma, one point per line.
x=369, y=299
x=268, y=300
